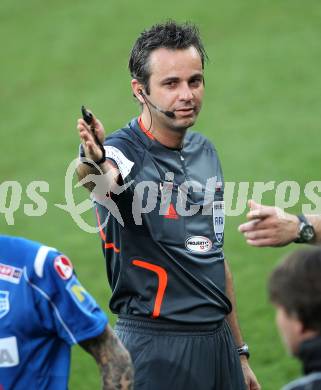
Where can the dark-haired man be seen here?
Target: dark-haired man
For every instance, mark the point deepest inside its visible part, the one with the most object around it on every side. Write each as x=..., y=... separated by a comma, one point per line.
x=295, y=290
x=171, y=285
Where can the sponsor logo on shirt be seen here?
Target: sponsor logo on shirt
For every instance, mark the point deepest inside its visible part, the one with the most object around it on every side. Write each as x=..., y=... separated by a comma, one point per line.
x=63, y=267
x=10, y=274
x=171, y=212
x=198, y=244
x=80, y=295
x=9, y=356
x=4, y=303
x=219, y=219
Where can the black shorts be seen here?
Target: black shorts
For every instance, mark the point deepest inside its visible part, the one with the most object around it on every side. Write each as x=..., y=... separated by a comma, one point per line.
x=181, y=357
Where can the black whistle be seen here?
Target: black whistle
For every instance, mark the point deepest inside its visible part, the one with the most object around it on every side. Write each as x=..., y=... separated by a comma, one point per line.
x=87, y=116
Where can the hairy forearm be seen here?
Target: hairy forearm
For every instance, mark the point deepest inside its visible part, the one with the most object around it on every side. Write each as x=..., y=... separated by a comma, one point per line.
x=108, y=170
x=113, y=360
x=232, y=317
x=83, y=170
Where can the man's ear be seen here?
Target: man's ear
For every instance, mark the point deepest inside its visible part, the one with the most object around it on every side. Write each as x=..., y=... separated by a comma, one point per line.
x=137, y=89
x=307, y=332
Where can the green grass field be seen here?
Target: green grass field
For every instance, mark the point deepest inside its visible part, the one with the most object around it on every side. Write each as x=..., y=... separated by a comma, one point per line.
x=261, y=109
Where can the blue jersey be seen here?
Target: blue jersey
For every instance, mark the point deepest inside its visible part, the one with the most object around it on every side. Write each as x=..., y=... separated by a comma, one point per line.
x=44, y=310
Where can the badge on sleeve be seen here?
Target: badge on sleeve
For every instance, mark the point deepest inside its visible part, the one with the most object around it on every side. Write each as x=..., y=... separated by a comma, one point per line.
x=80, y=295
x=63, y=267
x=219, y=219
x=4, y=303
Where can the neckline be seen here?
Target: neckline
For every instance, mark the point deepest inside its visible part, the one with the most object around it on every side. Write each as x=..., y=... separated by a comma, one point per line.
x=151, y=136
x=144, y=130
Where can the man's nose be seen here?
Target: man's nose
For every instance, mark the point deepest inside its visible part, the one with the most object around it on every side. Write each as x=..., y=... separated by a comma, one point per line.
x=185, y=92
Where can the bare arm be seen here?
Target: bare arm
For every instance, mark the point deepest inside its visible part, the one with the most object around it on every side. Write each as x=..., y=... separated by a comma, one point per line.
x=232, y=317
x=249, y=376
x=271, y=226
x=113, y=360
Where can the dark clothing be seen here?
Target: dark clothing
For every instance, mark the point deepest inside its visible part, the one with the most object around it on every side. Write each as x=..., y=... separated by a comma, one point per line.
x=310, y=355
x=165, y=264
x=162, y=263
x=162, y=355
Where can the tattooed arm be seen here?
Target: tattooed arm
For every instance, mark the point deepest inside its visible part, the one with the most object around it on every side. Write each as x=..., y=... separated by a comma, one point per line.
x=113, y=359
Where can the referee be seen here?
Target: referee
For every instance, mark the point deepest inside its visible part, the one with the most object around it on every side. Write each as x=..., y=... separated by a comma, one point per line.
x=171, y=285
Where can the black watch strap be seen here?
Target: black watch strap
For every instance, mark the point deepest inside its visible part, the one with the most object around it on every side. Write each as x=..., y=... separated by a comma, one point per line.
x=306, y=230
x=88, y=162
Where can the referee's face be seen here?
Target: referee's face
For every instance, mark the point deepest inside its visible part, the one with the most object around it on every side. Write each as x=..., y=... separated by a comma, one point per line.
x=176, y=84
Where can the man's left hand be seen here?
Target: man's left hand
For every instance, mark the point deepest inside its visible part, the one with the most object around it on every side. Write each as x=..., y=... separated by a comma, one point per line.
x=249, y=376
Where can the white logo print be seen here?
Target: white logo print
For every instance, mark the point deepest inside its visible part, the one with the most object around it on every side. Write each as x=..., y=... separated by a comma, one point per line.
x=4, y=303
x=198, y=244
x=219, y=219
x=9, y=356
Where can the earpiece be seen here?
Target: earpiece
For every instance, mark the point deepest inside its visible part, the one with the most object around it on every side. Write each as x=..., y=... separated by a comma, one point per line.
x=169, y=114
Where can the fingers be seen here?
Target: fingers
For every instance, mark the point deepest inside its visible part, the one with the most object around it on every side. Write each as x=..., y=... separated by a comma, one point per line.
x=259, y=234
x=262, y=242
x=255, y=384
x=249, y=226
x=99, y=130
x=260, y=213
x=83, y=128
x=253, y=205
x=92, y=150
x=85, y=131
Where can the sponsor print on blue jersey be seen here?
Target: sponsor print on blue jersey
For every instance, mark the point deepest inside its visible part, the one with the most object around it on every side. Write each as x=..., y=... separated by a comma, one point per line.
x=10, y=274
x=80, y=295
x=9, y=356
x=219, y=219
x=4, y=303
x=63, y=267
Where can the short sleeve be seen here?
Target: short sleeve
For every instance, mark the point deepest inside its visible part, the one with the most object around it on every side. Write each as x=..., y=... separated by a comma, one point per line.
x=125, y=152
x=65, y=306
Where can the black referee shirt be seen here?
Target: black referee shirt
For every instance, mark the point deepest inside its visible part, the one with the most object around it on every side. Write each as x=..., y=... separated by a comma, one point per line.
x=167, y=263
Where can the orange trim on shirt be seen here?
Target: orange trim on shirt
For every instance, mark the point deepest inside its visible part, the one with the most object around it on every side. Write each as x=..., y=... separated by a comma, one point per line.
x=111, y=245
x=162, y=283
x=143, y=128
x=108, y=245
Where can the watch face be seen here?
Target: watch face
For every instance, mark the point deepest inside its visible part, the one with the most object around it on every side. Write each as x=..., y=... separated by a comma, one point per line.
x=307, y=233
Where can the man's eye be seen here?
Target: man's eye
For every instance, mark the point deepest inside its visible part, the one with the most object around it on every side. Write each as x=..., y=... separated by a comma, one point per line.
x=196, y=82
x=171, y=83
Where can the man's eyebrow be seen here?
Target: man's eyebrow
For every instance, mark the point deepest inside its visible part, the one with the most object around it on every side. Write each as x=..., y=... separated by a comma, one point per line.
x=168, y=79
x=197, y=76
x=175, y=79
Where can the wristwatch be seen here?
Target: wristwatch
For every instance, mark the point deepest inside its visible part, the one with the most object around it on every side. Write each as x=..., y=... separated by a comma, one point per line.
x=82, y=155
x=244, y=350
x=306, y=231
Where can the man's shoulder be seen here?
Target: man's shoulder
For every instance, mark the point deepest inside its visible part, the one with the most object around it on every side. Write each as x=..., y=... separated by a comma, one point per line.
x=125, y=148
x=125, y=134
x=311, y=382
x=121, y=133
x=18, y=254
x=18, y=250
